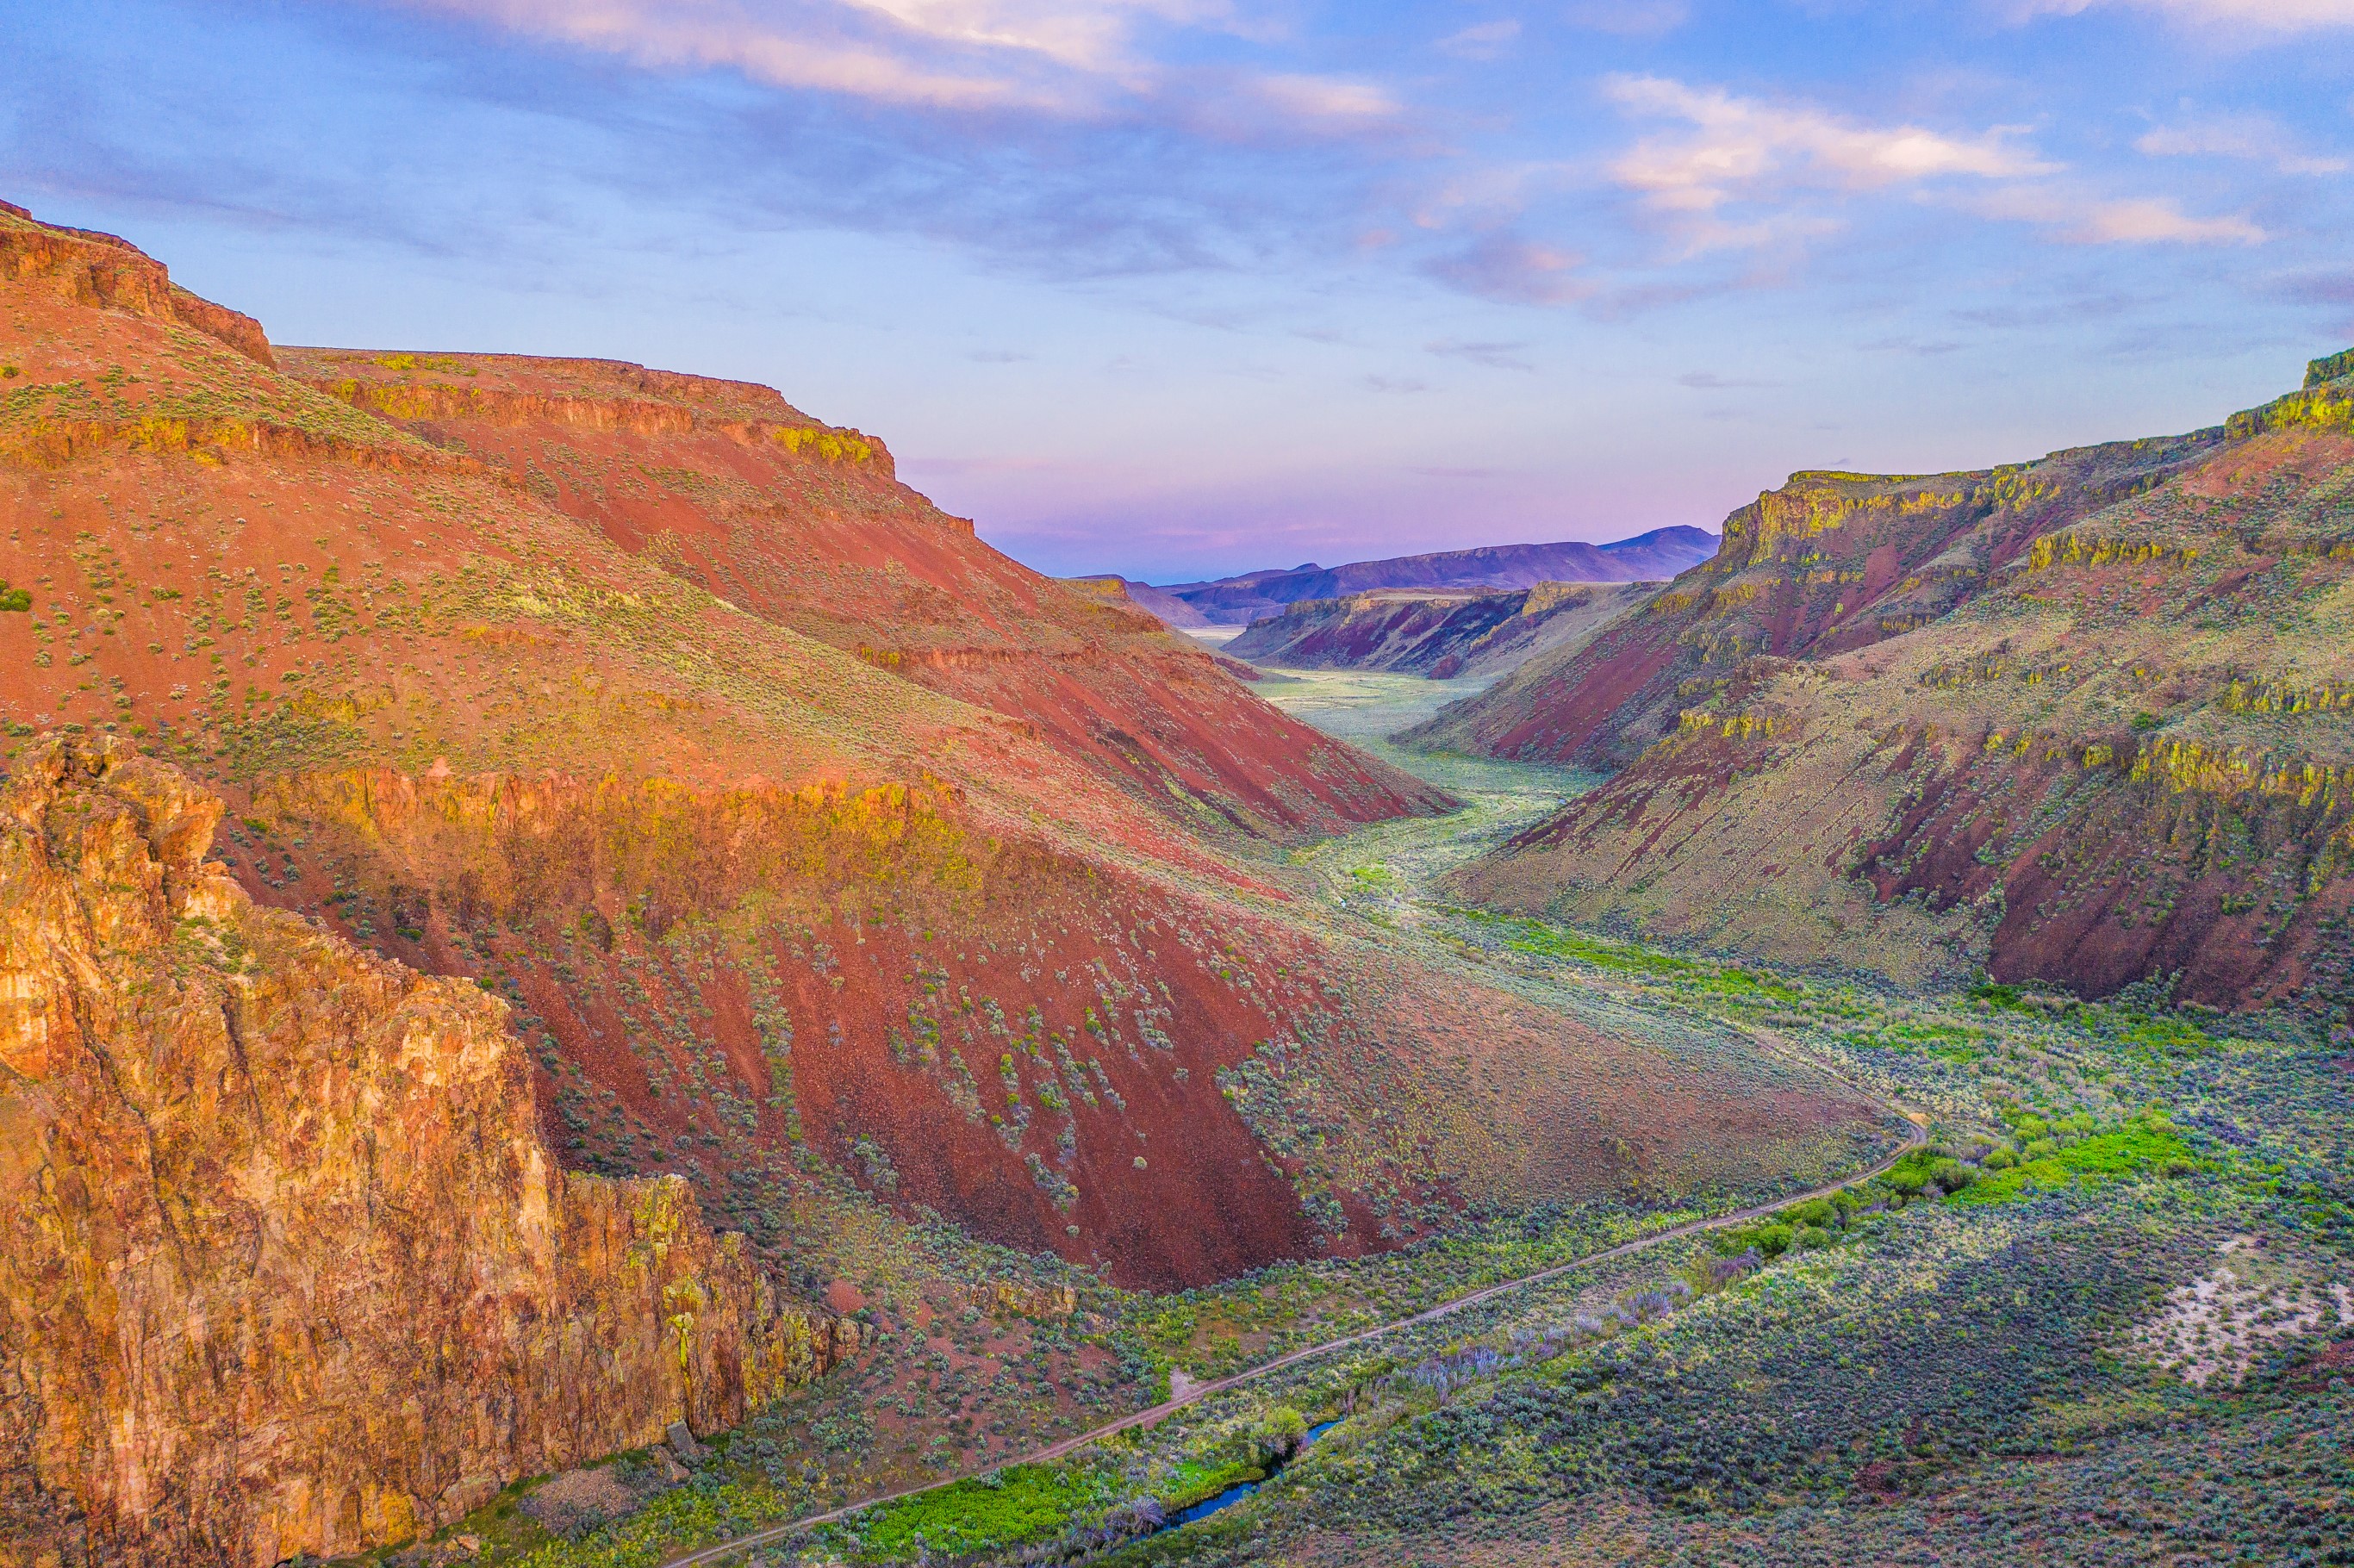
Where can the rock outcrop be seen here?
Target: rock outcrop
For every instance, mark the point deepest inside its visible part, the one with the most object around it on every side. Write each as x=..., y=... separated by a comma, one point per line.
x=107, y=271
x=286, y=1267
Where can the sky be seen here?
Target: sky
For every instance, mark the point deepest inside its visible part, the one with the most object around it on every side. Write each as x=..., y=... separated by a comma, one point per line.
x=1178, y=288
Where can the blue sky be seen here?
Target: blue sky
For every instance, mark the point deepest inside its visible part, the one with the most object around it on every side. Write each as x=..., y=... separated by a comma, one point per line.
x=1181, y=287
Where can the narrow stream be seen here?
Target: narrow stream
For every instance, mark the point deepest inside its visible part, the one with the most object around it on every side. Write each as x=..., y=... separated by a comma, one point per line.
x=1241, y=1490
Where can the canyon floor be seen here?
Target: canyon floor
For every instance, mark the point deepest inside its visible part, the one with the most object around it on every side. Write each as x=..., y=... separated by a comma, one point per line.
x=2100, y=1313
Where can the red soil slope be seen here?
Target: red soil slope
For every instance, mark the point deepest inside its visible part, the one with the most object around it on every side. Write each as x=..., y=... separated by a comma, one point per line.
x=729, y=487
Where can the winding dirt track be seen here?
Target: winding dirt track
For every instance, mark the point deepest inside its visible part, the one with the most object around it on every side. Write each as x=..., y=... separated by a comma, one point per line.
x=1192, y=1392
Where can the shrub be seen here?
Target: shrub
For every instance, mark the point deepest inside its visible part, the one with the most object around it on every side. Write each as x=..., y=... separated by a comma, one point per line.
x=2041, y=1149
x=1279, y=1435
x=1813, y=1238
x=2001, y=1160
x=1952, y=1175
x=1815, y=1212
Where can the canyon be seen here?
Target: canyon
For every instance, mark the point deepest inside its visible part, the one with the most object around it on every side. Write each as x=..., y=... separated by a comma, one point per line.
x=709, y=863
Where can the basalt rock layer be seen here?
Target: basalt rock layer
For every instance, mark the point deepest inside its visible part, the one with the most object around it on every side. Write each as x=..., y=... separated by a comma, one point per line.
x=2083, y=721
x=286, y=1267
x=1440, y=636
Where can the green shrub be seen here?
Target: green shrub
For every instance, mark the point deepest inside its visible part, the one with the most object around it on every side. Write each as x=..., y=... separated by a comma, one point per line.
x=1813, y=1238
x=1278, y=1434
x=1819, y=1212
x=1952, y=1175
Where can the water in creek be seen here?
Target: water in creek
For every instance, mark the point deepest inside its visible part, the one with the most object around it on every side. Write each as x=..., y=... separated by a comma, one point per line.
x=1240, y=1490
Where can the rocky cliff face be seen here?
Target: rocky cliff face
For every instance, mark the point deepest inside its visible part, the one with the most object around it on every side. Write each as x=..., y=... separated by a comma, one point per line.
x=2085, y=721
x=285, y=1265
x=90, y=268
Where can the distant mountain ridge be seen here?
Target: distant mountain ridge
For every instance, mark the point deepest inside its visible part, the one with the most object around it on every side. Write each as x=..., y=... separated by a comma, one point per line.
x=1254, y=596
x=1440, y=635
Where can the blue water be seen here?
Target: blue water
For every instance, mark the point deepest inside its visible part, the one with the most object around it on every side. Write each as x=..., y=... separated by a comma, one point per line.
x=1240, y=1490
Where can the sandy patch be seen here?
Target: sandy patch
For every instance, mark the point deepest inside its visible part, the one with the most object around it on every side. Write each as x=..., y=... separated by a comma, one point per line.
x=2218, y=1324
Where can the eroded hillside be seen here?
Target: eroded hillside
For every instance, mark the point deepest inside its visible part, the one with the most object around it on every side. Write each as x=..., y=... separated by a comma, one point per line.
x=2080, y=721
x=728, y=487
x=776, y=911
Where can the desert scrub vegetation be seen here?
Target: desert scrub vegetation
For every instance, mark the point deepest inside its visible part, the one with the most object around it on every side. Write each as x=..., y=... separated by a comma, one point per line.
x=1992, y=1296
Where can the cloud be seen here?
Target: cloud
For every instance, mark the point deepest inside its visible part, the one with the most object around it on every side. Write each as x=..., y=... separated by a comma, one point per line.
x=1068, y=58
x=1393, y=384
x=1320, y=99
x=1743, y=147
x=1486, y=41
x=1513, y=271
x=1708, y=381
x=2257, y=137
x=2315, y=289
x=1495, y=356
x=2135, y=220
x=2270, y=15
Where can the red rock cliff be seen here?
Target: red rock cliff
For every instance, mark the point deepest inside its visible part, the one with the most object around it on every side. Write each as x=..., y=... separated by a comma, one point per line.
x=285, y=1265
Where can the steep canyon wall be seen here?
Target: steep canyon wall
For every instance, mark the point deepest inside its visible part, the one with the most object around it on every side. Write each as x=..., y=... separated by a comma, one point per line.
x=285, y=1264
